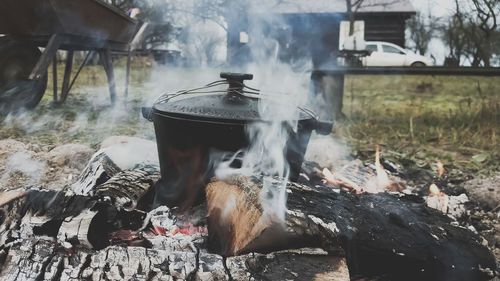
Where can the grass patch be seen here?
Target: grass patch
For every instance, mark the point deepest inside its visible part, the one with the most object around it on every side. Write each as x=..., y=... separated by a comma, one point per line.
x=416, y=119
x=455, y=119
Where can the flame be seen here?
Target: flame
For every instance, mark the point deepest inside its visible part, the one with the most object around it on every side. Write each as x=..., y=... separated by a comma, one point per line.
x=329, y=177
x=383, y=180
x=375, y=184
x=434, y=190
x=443, y=199
x=339, y=180
x=440, y=168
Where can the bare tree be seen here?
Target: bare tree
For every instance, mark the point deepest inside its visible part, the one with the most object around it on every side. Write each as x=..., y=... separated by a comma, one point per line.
x=352, y=7
x=454, y=34
x=486, y=13
x=473, y=35
x=422, y=30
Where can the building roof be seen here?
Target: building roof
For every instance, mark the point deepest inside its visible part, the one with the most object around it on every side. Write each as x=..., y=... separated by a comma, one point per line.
x=337, y=6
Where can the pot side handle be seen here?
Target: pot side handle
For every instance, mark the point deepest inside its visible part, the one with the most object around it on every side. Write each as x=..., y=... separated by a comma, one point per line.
x=147, y=113
x=323, y=127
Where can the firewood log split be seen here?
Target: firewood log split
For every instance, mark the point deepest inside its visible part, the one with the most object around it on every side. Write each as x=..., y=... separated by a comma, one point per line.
x=381, y=234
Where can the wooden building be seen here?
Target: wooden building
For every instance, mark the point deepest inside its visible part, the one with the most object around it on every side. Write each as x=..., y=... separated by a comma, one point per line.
x=309, y=29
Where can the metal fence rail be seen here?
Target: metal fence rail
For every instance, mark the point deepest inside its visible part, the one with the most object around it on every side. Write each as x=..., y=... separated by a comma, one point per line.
x=426, y=70
x=330, y=82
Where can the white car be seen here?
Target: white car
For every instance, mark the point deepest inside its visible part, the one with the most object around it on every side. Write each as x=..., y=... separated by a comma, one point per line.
x=388, y=54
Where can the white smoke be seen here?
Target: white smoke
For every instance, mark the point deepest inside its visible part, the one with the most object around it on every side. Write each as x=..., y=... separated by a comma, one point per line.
x=22, y=162
x=282, y=92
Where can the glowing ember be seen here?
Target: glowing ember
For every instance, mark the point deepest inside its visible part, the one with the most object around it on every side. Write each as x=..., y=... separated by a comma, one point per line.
x=442, y=198
x=440, y=168
x=186, y=230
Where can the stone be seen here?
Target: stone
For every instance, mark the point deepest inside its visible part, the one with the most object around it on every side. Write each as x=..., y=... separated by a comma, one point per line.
x=486, y=191
x=127, y=152
x=72, y=155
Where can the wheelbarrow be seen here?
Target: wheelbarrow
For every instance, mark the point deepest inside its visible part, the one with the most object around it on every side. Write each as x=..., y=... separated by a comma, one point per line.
x=81, y=25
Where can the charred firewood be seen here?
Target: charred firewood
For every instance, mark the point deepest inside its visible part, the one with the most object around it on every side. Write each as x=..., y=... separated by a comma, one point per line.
x=78, y=219
x=382, y=234
x=126, y=188
x=301, y=264
x=99, y=170
x=39, y=259
x=239, y=224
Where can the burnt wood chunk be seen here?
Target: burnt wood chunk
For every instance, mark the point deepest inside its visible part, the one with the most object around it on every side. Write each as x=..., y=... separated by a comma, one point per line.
x=235, y=216
x=78, y=219
x=238, y=222
x=306, y=264
x=125, y=189
x=396, y=236
x=389, y=235
x=99, y=170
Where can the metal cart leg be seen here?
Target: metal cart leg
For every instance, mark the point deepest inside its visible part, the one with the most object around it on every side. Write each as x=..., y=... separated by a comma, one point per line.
x=54, y=77
x=67, y=76
x=127, y=74
x=107, y=63
x=43, y=63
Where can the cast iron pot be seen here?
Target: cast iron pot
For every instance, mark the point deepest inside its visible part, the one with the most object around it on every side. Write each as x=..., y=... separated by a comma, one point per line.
x=193, y=133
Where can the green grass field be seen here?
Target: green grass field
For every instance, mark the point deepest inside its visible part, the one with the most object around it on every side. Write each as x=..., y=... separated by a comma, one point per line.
x=416, y=119
x=424, y=118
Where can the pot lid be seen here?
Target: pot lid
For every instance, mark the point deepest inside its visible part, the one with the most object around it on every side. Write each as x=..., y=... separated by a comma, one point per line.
x=228, y=100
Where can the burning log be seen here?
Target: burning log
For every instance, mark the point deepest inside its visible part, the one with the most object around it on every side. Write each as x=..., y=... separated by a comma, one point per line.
x=235, y=215
x=382, y=234
x=238, y=222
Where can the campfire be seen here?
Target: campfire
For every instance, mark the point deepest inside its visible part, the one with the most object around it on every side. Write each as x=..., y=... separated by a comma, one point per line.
x=334, y=229
x=231, y=197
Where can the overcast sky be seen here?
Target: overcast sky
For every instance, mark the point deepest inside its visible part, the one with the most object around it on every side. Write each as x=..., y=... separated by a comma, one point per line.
x=439, y=8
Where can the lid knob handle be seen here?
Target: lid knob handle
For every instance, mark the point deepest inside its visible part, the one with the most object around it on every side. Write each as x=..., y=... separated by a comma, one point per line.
x=240, y=77
x=236, y=85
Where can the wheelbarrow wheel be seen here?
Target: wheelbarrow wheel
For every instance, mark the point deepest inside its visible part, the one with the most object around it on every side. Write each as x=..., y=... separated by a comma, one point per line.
x=17, y=60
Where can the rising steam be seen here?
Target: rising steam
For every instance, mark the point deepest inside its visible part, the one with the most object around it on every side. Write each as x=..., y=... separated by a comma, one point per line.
x=282, y=92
